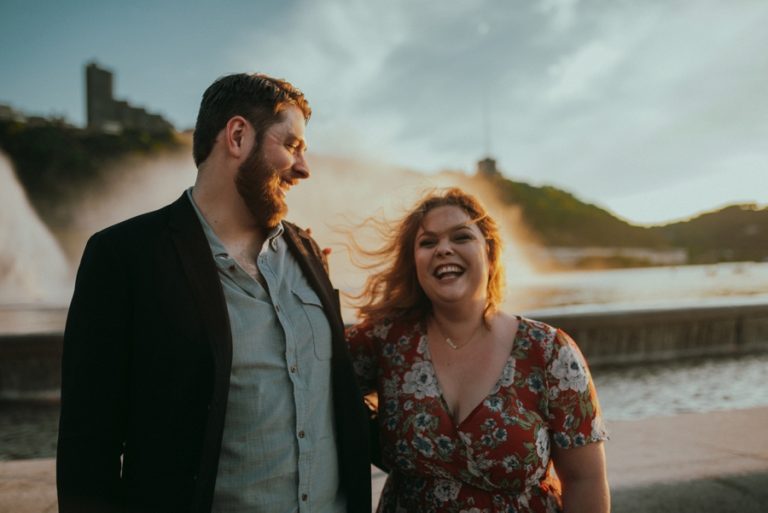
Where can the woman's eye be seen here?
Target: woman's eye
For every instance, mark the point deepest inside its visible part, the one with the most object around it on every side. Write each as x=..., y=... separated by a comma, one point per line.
x=426, y=243
x=463, y=237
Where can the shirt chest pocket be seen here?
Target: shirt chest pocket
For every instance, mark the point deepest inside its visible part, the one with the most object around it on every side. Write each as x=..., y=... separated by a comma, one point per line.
x=317, y=323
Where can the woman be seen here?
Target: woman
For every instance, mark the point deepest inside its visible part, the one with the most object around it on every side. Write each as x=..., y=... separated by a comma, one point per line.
x=475, y=406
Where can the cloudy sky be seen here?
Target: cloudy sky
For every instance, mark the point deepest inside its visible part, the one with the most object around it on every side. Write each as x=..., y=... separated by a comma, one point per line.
x=655, y=110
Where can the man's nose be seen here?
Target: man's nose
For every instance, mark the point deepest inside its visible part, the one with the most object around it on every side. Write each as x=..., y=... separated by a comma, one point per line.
x=301, y=167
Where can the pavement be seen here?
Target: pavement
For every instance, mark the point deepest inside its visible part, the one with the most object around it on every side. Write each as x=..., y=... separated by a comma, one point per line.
x=697, y=462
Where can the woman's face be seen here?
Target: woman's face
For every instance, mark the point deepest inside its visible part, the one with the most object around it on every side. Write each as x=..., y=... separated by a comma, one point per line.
x=451, y=258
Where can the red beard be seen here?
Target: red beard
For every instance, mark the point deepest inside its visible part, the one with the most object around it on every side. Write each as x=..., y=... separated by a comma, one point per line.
x=259, y=186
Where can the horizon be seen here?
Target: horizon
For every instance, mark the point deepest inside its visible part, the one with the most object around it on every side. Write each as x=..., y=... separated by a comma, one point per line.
x=655, y=113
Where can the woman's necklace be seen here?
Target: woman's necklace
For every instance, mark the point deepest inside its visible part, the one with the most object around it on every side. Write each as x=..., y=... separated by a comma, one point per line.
x=453, y=345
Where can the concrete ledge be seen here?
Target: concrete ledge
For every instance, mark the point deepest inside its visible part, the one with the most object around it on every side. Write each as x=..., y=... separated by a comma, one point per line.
x=30, y=363
x=634, y=336
x=30, y=366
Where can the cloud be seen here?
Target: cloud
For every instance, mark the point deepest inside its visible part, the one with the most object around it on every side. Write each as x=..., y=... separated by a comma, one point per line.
x=599, y=98
x=562, y=12
x=577, y=76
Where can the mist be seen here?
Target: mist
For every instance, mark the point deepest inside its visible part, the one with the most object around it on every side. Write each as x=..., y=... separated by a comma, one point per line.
x=340, y=194
x=33, y=268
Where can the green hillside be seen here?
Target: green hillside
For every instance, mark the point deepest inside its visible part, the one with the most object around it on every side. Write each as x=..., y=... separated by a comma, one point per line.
x=557, y=218
x=734, y=233
x=53, y=159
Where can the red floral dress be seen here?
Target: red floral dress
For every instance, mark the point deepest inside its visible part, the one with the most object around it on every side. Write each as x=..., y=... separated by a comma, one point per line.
x=498, y=458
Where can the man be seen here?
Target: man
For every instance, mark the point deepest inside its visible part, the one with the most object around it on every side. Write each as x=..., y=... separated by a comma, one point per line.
x=204, y=364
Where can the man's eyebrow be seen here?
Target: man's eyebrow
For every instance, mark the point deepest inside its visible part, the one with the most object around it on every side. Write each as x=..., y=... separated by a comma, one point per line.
x=302, y=142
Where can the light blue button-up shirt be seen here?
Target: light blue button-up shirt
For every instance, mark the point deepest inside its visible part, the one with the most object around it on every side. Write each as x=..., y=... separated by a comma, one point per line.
x=279, y=448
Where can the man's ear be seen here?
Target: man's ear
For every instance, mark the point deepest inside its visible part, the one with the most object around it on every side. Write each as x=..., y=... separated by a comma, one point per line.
x=237, y=133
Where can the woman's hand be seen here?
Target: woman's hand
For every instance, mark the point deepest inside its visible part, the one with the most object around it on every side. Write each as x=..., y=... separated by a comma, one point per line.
x=326, y=251
x=582, y=473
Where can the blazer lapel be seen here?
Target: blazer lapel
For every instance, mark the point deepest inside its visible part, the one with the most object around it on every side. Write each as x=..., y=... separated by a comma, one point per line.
x=200, y=269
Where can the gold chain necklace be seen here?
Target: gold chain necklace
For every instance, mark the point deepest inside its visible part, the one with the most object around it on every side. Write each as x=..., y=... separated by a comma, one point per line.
x=453, y=345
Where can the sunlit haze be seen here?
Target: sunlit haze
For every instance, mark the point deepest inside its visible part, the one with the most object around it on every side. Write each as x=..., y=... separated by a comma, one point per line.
x=653, y=110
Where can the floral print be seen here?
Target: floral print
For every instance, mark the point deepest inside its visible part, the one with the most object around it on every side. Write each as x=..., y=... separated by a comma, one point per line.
x=498, y=458
x=569, y=369
x=421, y=381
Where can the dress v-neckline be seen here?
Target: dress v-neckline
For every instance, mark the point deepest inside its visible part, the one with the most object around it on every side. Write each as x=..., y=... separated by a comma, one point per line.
x=441, y=396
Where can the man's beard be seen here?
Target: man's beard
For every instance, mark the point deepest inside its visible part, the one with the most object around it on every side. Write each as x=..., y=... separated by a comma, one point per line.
x=259, y=186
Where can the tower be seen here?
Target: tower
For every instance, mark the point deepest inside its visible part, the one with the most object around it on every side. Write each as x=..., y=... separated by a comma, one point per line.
x=106, y=114
x=487, y=166
x=98, y=97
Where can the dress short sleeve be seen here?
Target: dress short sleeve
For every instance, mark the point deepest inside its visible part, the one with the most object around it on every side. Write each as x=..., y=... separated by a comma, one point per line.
x=573, y=409
x=364, y=341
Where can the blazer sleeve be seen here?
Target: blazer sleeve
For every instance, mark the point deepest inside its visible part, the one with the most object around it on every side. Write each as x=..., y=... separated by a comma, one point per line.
x=94, y=386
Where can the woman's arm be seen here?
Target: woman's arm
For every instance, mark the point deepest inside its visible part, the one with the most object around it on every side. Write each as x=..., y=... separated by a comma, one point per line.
x=363, y=350
x=582, y=473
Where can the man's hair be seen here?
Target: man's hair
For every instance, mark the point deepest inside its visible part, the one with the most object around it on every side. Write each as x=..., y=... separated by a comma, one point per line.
x=393, y=291
x=258, y=98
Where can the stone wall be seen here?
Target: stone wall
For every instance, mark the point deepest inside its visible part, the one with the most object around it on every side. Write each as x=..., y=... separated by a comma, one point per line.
x=30, y=364
x=618, y=337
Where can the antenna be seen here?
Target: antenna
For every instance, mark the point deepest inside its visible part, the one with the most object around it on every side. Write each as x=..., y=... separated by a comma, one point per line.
x=486, y=126
x=487, y=166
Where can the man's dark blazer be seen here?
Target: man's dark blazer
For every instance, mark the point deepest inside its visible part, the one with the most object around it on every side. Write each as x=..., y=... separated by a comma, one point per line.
x=146, y=367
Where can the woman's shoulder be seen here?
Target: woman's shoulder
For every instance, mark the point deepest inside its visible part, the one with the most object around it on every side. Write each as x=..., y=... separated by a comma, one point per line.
x=552, y=342
x=537, y=330
x=535, y=341
x=380, y=329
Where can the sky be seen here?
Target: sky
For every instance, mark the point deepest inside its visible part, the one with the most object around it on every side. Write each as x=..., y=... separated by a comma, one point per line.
x=655, y=110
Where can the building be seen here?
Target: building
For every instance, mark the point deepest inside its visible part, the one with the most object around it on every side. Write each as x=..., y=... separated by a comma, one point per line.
x=487, y=167
x=104, y=113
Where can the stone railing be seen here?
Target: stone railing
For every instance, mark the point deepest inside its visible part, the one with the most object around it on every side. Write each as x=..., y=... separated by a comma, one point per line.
x=30, y=363
x=634, y=336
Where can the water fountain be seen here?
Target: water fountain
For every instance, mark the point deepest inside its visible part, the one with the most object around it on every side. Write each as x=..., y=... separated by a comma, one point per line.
x=33, y=268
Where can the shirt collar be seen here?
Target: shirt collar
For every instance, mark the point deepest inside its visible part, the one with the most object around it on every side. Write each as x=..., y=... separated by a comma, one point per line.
x=274, y=236
x=217, y=247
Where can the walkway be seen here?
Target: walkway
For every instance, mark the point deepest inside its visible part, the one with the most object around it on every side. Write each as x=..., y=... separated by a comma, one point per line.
x=699, y=462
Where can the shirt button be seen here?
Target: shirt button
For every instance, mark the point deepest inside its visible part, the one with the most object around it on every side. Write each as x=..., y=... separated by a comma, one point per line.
x=301, y=434
x=277, y=308
x=293, y=368
x=304, y=497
